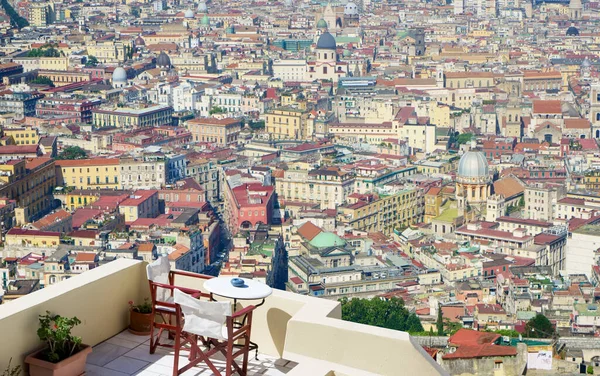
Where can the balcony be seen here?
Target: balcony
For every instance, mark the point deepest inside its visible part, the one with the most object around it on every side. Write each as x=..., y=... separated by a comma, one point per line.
x=297, y=335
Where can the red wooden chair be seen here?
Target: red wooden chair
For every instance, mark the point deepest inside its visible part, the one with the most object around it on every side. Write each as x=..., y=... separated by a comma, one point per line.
x=162, y=283
x=214, y=322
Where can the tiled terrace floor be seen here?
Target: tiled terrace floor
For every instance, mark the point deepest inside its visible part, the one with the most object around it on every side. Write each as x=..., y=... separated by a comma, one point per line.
x=127, y=354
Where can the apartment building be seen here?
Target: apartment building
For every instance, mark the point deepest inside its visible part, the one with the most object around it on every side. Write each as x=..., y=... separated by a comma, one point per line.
x=32, y=238
x=21, y=104
x=63, y=78
x=23, y=136
x=286, y=123
x=382, y=213
x=97, y=173
x=289, y=70
x=541, y=200
x=328, y=186
x=41, y=14
x=206, y=173
x=143, y=173
x=141, y=204
x=30, y=183
x=581, y=249
x=248, y=205
x=108, y=51
x=153, y=116
x=81, y=109
x=59, y=63
x=221, y=132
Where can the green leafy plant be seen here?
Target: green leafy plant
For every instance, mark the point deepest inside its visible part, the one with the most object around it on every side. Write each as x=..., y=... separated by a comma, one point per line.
x=145, y=307
x=11, y=371
x=590, y=370
x=391, y=313
x=55, y=330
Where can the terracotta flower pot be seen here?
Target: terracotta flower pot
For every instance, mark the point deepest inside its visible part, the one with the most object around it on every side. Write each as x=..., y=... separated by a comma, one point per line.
x=140, y=323
x=73, y=365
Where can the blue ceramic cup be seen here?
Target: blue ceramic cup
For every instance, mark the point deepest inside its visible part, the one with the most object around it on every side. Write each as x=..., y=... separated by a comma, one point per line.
x=237, y=282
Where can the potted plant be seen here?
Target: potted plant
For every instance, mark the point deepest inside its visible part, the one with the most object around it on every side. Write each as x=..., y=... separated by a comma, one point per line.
x=12, y=371
x=140, y=318
x=64, y=354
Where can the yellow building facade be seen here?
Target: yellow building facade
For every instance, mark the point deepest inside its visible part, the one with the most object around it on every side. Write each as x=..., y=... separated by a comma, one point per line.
x=286, y=122
x=30, y=183
x=23, y=136
x=32, y=238
x=98, y=173
x=386, y=214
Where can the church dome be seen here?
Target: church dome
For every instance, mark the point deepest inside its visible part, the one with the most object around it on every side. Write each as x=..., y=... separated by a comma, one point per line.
x=572, y=31
x=188, y=14
x=202, y=8
x=473, y=165
x=326, y=42
x=350, y=9
x=119, y=75
x=205, y=21
x=326, y=240
x=322, y=24
x=163, y=60
x=139, y=41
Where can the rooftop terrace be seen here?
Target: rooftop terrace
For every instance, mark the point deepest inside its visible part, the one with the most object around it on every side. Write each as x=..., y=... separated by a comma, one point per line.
x=304, y=330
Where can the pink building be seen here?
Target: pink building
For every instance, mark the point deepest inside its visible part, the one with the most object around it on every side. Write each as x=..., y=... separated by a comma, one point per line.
x=248, y=206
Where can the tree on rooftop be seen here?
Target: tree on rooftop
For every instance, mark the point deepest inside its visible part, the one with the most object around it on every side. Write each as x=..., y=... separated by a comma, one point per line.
x=539, y=327
x=92, y=61
x=464, y=138
x=43, y=52
x=72, y=152
x=42, y=80
x=390, y=314
x=217, y=110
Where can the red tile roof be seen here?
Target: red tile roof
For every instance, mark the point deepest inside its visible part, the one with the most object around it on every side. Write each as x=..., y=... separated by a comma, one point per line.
x=86, y=257
x=23, y=232
x=472, y=337
x=87, y=162
x=577, y=124
x=309, y=231
x=547, y=107
x=87, y=234
x=482, y=351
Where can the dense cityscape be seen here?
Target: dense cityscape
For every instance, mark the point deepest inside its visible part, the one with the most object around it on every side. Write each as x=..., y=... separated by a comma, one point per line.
x=431, y=167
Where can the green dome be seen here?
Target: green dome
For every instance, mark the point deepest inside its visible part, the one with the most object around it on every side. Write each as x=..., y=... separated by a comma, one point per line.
x=327, y=239
x=347, y=53
x=205, y=21
x=322, y=24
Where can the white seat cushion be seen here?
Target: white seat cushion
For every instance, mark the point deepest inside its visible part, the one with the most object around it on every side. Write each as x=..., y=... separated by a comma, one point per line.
x=164, y=308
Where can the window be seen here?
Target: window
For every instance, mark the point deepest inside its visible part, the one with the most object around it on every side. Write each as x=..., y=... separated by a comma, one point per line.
x=324, y=70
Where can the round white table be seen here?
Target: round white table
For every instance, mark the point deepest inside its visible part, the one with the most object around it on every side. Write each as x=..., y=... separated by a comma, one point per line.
x=251, y=290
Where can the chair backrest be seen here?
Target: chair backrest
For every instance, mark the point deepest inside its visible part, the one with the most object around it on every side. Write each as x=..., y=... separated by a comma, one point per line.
x=201, y=317
x=158, y=271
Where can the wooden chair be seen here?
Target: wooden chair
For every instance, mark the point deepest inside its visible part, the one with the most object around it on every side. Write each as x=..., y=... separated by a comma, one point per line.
x=214, y=322
x=162, y=284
